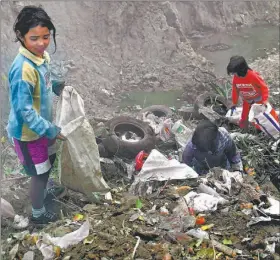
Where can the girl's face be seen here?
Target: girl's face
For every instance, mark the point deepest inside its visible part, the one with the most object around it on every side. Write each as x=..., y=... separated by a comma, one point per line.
x=37, y=40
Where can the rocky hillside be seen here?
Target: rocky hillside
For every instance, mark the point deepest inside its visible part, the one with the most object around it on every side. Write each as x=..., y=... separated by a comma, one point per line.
x=105, y=48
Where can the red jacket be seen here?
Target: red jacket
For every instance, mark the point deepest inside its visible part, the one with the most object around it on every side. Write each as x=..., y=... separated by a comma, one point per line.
x=251, y=88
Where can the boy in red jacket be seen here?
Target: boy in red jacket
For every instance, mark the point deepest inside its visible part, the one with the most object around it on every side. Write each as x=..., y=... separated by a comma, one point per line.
x=250, y=86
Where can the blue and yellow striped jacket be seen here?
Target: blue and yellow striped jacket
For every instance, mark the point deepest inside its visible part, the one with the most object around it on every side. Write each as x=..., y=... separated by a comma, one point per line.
x=30, y=95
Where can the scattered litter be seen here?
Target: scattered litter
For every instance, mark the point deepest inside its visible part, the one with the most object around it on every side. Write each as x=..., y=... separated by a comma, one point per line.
x=78, y=217
x=256, y=220
x=157, y=123
x=234, y=116
x=225, y=249
x=165, y=131
x=177, y=223
x=164, y=211
x=158, y=168
x=274, y=209
x=227, y=242
x=67, y=240
x=20, y=236
x=270, y=248
x=240, y=136
x=140, y=159
x=247, y=211
x=200, y=220
x=246, y=205
x=202, y=202
x=198, y=233
x=206, y=227
x=182, y=133
x=246, y=239
x=28, y=255
x=20, y=222
x=130, y=137
x=14, y=251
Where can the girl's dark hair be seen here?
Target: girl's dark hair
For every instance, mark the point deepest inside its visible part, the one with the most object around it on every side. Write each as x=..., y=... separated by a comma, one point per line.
x=238, y=64
x=30, y=17
x=205, y=136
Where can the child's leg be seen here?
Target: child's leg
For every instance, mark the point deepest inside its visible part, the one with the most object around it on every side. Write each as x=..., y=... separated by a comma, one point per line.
x=36, y=162
x=37, y=194
x=243, y=123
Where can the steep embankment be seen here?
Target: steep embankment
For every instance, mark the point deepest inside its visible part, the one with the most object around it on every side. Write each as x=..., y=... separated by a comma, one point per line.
x=119, y=46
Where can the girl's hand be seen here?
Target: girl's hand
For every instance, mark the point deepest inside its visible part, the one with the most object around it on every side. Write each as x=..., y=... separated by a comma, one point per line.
x=61, y=137
x=58, y=86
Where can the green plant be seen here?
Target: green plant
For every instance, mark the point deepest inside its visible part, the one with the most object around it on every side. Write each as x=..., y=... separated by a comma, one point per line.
x=222, y=87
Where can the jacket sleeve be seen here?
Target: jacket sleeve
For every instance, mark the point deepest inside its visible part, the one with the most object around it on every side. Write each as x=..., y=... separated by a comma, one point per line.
x=233, y=155
x=188, y=154
x=22, y=93
x=234, y=94
x=262, y=85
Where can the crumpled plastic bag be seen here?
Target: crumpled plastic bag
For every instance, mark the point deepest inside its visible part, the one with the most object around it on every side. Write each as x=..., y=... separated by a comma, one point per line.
x=274, y=209
x=198, y=233
x=235, y=117
x=202, y=202
x=46, y=243
x=155, y=122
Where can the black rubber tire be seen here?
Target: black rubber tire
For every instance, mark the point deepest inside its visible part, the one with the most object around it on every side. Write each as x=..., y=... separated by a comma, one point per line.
x=121, y=148
x=206, y=97
x=158, y=110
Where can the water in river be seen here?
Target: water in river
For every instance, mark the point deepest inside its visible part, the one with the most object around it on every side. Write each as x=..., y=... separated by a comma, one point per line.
x=249, y=42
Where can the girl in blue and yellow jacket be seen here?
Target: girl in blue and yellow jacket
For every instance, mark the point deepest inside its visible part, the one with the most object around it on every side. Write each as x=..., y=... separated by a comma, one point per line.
x=30, y=120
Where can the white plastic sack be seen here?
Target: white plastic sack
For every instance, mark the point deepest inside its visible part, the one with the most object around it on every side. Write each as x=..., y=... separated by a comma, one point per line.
x=235, y=117
x=80, y=163
x=260, y=115
x=158, y=168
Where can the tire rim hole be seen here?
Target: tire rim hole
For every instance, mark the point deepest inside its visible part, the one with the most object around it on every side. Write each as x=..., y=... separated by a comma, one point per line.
x=129, y=132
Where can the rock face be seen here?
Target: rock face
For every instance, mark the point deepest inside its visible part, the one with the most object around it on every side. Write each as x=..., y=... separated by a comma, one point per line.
x=111, y=47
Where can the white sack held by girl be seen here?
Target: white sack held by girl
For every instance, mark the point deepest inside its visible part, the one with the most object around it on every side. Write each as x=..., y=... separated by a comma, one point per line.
x=79, y=165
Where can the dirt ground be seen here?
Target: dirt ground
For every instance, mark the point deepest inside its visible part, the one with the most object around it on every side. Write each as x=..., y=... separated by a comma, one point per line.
x=114, y=236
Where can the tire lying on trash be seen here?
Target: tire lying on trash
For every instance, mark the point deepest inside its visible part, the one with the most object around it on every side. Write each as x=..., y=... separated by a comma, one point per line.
x=218, y=104
x=128, y=136
x=157, y=110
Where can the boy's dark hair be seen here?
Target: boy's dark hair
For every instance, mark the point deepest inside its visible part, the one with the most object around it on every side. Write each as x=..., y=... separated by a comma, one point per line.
x=205, y=136
x=30, y=17
x=238, y=64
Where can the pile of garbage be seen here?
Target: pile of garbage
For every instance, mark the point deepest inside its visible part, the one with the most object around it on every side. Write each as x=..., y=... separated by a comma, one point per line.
x=217, y=216
x=158, y=207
